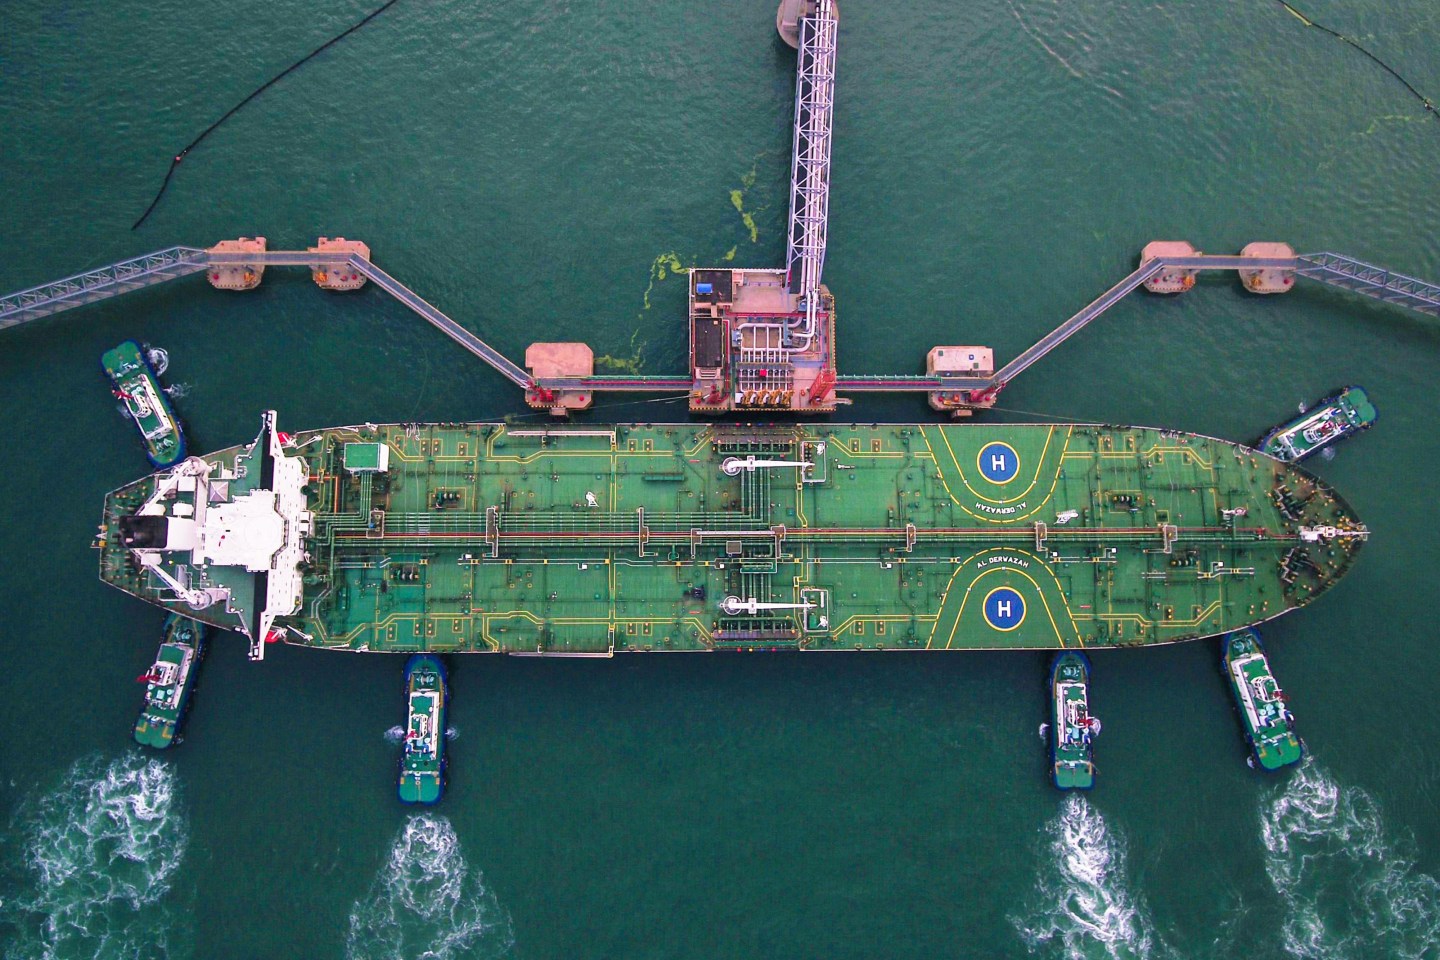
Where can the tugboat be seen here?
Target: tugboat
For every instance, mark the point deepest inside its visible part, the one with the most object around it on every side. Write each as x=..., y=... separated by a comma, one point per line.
x=137, y=385
x=422, y=760
x=1329, y=421
x=1269, y=725
x=1072, y=727
x=169, y=682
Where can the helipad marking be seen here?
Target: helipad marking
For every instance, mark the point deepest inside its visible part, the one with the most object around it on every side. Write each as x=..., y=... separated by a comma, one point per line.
x=1004, y=608
x=998, y=462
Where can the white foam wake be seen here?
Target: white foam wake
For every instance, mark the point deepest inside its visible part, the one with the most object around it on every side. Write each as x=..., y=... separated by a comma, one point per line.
x=100, y=854
x=1349, y=888
x=1083, y=907
x=427, y=903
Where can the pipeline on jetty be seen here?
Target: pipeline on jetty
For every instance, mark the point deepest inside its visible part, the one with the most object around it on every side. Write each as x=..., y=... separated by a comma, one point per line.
x=761, y=340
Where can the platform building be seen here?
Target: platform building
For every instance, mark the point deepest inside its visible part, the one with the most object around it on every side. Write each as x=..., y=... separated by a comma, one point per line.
x=752, y=347
x=546, y=361
x=1173, y=280
x=961, y=361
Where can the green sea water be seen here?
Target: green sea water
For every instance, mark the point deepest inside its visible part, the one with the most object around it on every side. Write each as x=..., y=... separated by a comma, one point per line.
x=539, y=170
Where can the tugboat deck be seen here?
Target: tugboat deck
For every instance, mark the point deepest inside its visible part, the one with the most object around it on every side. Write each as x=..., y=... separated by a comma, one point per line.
x=1329, y=422
x=137, y=386
x=1073, y=727
x=422, y=758
x=1268, y=723
x=169, y=683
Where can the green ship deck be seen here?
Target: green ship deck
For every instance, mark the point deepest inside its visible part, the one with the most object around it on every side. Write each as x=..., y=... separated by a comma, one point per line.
x=591, y=540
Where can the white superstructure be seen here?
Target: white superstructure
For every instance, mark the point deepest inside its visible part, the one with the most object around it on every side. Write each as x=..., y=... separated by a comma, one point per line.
x=213, y=533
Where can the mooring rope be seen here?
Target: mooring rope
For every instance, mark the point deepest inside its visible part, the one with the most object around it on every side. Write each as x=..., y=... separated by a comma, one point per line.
x=1426, y=101
x=255, y=93
x=1053, y=417
x=607, y=405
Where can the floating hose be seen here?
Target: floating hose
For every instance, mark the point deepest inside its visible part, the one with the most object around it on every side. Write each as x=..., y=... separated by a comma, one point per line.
x=255, y=93
x=1426, y=101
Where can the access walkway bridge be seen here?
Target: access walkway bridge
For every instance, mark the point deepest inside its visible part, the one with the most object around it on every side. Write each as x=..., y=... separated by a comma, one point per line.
x=175, y=262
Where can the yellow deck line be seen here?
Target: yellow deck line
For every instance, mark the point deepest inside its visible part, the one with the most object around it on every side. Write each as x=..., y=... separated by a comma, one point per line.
x=963, y=564
x=1049, y=435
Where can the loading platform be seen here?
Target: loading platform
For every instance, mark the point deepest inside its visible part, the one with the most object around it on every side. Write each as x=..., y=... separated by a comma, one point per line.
x=761, y=340
x=174, y=262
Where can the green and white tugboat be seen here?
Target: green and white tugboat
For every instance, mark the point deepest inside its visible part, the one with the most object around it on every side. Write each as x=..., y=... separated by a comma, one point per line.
x=1269, y=725
x=1329, y=421
x=1072, y=728
x=422, y=760
x=136, y=384
x=169, y=682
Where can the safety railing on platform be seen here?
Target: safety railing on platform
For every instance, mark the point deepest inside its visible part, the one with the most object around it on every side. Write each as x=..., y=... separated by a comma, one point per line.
x=1371, y=281
x=635, y=384
x=810, y=158
x=884, y=383
x=173, y=262
x=98, y=284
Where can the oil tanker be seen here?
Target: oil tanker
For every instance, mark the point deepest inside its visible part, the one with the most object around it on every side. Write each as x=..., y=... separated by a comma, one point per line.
x=592, y=540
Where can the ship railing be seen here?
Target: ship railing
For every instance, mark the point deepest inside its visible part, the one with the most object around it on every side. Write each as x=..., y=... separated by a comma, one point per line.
x=623, y=522
x=420, y=526
x=441, y=522
x=810, y=155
